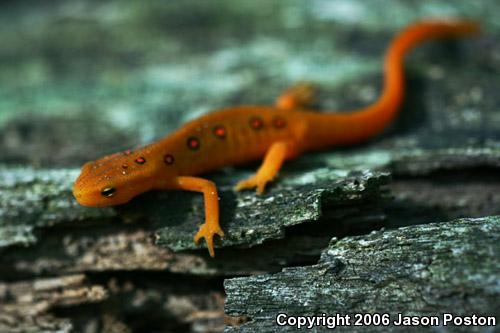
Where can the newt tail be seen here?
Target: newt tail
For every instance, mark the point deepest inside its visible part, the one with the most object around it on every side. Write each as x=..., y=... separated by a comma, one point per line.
x=359, y=125
x=240, y=134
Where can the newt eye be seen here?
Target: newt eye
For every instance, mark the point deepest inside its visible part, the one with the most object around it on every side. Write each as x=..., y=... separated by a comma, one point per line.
x=108, y=192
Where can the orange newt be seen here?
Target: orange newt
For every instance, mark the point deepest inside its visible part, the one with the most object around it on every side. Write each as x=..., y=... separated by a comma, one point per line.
x=245, y=133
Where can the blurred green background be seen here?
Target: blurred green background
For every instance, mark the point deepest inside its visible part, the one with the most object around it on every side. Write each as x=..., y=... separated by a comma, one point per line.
x=79, y=79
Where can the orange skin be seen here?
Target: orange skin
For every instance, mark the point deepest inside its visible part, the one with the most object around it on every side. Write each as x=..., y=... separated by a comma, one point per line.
x=241, y=134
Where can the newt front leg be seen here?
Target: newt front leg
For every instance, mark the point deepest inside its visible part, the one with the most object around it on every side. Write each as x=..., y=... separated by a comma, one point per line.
x=211, y=226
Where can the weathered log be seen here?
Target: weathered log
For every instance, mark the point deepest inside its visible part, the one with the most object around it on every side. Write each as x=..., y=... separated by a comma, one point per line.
x=24, y=306
x=100, y=303
x=420, y=270
x=77, y=239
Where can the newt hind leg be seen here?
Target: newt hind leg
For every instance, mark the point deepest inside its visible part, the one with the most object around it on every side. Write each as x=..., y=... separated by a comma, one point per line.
x=270, y=167
x=299, y=96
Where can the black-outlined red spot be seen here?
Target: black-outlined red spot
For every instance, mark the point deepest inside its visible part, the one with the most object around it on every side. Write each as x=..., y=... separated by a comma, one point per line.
x=168, y=159
x=220, y=131
x=256, y=123
x=279, y=122
x=193, y=143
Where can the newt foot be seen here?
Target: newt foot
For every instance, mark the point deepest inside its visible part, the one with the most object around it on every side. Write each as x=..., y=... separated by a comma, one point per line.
x=208, y=231
x=254, y=182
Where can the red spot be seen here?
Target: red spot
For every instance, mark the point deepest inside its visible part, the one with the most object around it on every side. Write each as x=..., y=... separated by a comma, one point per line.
x=256, y=123
x=193, y=143
x=168, y=159
x=279, y=122
x=140, y=160
x=220, y=131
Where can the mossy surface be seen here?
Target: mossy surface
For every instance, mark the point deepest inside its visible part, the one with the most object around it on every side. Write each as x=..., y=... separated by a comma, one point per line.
x=426, y=270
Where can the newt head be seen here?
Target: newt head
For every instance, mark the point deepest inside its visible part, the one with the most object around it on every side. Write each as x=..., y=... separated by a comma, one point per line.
x=114, y=179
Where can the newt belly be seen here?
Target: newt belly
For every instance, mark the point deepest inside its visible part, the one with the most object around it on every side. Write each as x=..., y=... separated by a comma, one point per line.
x=245, y=133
